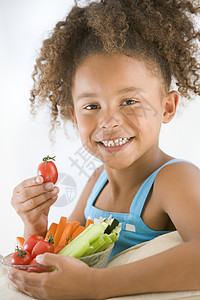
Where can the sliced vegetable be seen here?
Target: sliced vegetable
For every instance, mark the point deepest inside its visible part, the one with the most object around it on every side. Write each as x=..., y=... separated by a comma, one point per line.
x=51, y=231
x=95, y=246
x=88, y=222
x=77, y=232
x=111, y=225
x=95, y=237
x=59, y=230
x=79, y=251
x=107, y=243
x=75, y=225
x=89, y=234
x=20, y=241
x=67, y=232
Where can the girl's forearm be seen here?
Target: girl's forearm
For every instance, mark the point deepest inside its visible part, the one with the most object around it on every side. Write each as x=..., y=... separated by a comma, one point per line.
x=172, y=270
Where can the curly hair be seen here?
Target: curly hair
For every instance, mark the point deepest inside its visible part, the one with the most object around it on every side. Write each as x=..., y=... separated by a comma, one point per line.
x=158, y=31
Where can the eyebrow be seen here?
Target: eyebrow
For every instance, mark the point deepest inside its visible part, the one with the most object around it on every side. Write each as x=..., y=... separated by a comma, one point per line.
x=122, y=91
x=86, y=95
x=131, y=89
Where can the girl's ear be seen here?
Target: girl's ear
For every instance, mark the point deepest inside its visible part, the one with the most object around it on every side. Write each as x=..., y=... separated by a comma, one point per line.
x=72, y=113
x=170, y=105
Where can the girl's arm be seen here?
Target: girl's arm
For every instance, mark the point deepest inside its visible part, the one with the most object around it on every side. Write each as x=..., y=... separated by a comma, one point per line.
x=176, y=269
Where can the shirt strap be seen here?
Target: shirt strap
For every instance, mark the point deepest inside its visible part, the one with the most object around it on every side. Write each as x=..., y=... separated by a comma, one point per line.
x=101, y=181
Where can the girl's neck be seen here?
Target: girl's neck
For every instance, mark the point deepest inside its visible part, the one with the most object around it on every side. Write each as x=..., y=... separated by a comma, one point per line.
x=125, y=180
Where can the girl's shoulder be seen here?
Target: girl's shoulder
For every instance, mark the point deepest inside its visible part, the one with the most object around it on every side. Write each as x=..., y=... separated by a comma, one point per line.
x=178, y=176
x=177, y=188
x=181, y=169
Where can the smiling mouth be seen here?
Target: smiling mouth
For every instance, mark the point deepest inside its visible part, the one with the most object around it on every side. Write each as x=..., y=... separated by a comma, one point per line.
x=116, y=142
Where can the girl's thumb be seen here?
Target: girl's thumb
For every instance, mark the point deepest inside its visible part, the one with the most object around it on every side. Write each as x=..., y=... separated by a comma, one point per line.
x=48, y=259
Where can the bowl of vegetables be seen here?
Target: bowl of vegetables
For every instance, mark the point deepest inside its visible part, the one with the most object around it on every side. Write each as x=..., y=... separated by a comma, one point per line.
x=97, y=260
x=93, y=245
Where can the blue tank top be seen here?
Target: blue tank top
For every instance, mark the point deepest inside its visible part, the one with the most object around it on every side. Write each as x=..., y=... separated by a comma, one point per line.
x=133, y=230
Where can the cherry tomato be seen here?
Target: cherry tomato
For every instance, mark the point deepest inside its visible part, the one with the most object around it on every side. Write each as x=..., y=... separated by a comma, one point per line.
x=42, y=247
x=20, y=257
x=47, y=169
x=31, y=241
x=37, y=269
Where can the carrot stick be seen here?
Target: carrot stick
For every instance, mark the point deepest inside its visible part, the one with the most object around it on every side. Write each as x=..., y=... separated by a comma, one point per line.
x=20, y=241
x=77, y=232
x=52, y=230
x=88, y=222
x=65, y=234
x=59, y=230
x=75, y=225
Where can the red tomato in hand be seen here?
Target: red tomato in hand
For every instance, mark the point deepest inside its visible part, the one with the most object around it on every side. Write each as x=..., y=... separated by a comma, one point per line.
x=47, y=169
x=37, y=268
x=31, y=241
x=20, y=257
x=42, y=247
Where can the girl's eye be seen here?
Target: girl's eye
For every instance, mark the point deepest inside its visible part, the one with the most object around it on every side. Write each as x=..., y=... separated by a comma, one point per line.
x=129, y=102
x=91, y=106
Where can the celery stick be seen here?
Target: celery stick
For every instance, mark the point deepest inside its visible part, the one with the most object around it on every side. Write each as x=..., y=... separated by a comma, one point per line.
x=88, y=252
x=107, y=242
x=89, y=234
x=113, y=236
x=95, y=246
x=80, y=249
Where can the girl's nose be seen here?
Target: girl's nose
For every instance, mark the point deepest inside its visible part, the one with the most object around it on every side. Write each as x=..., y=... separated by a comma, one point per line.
x=110, y=118
x=111, y=123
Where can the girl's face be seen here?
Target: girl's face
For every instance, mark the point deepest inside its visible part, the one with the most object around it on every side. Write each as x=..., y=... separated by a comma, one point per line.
x=118, y=108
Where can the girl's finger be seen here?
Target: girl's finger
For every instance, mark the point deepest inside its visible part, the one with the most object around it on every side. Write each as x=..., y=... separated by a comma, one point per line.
x=29, y=182
x=39, y=203
x=28, y=283
x=51, y=259
x=35, y=196
x=34, y=191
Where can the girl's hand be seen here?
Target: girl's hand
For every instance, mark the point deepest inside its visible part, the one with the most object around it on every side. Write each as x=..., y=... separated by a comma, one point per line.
x=72, y=279
x=32, y=199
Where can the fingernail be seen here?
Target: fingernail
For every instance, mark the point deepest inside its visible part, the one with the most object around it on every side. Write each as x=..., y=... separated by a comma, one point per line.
x=55, y=190
x=39, y=179
x=39, y=258
x=49, y=185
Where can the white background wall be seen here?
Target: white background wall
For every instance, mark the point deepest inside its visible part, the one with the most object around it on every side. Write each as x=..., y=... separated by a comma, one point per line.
x=24, y=142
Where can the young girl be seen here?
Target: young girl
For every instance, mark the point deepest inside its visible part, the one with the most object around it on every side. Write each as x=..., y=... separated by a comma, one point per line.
x=109, y=67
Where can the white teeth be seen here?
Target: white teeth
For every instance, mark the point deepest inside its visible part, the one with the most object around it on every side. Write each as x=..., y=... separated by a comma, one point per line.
x=117, y=142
